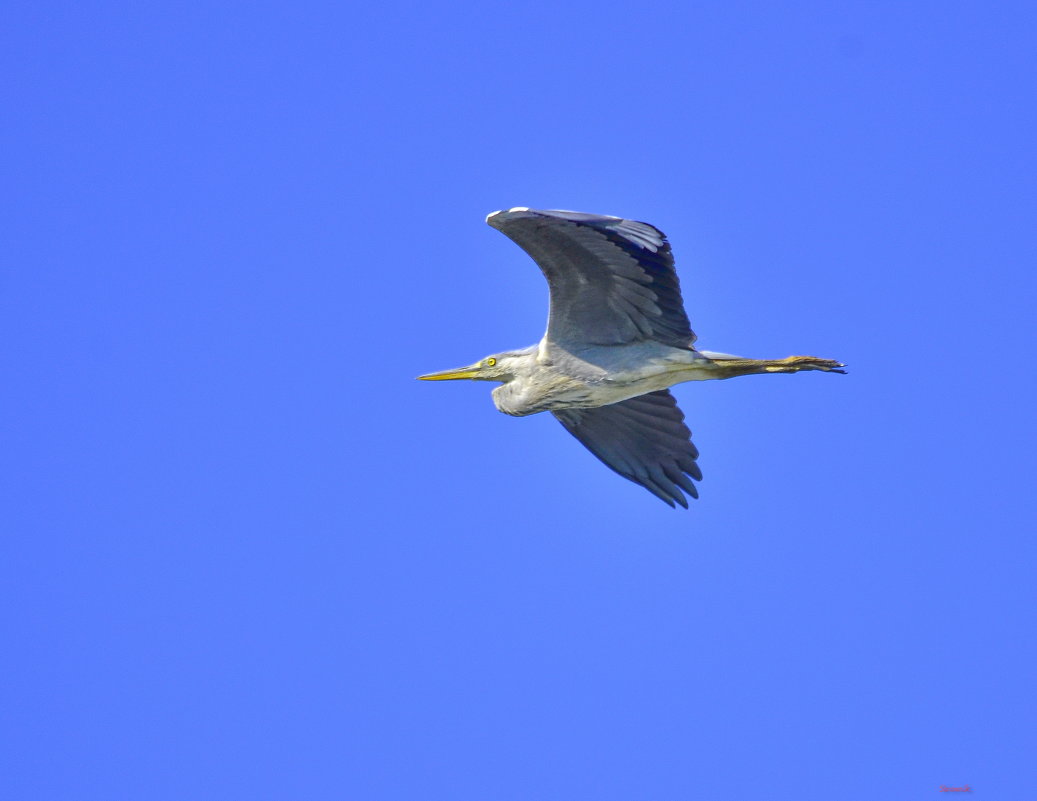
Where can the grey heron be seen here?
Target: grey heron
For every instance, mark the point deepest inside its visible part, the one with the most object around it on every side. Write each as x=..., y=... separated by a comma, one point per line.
x=617, y=338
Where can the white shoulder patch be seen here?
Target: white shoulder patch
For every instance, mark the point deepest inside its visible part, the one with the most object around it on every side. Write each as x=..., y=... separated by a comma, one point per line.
x=506, y=211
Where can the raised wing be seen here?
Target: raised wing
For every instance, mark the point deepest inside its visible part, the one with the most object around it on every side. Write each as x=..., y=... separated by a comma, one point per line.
x=643, y=439
x=612, y=280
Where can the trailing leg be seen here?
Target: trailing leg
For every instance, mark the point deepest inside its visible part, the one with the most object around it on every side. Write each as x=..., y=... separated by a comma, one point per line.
x=732, y=367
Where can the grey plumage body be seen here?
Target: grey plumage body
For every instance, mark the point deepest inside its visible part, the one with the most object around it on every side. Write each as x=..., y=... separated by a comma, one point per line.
x=617, y=339
x=546, y=377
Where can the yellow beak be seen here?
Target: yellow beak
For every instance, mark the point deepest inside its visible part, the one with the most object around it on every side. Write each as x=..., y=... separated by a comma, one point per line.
x=451, y=375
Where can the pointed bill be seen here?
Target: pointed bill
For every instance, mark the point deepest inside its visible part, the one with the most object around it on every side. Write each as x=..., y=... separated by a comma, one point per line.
x=452, y=375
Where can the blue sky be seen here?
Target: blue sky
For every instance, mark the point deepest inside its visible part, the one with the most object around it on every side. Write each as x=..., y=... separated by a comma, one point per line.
x=247, y=556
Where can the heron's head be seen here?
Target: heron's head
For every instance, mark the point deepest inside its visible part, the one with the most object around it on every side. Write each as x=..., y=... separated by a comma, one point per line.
x=498, y=367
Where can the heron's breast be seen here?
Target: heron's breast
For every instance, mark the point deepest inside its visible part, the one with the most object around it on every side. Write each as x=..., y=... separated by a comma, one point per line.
x=521, y=397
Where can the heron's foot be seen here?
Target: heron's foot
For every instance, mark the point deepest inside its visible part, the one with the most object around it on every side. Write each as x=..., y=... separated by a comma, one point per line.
x=794, y=364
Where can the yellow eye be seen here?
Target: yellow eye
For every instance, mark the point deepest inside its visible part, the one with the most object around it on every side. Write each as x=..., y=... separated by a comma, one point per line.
x=490, y=362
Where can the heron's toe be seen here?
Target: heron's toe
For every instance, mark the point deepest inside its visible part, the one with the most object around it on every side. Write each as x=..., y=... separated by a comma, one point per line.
x=797, y=363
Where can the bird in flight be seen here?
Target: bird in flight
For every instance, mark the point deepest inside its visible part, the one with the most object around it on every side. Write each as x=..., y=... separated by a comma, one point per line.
x=617, y=338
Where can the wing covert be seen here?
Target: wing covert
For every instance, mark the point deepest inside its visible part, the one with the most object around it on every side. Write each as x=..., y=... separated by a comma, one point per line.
x=644, y=439
x=612, y=281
